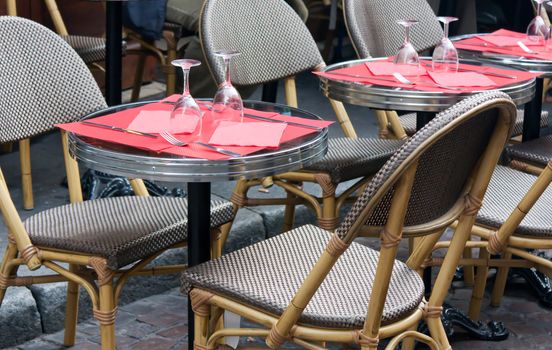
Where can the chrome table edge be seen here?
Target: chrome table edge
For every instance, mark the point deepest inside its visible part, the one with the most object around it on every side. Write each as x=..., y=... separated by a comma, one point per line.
x=175, y=169
x=380, y=97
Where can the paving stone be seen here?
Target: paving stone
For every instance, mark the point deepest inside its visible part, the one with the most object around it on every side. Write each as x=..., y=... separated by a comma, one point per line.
x=175, y=332
x=248, y=228
x=41, y=345
x=19, y=317
x=154, y=343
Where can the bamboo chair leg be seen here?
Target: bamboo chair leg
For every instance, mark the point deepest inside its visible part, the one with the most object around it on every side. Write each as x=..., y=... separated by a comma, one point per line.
x=138, y=76
x=329, y=219
x=383, y=124
x=289, y=212
x=396, y=125
x=343, y=119
x=500, y=282
x=26, y=177
x=479, y=287
x=468, y=270
x=71, y=310
x=201, y=328
x=409, y=342
x=10, y=254
x=171, y=70
x=107, y=306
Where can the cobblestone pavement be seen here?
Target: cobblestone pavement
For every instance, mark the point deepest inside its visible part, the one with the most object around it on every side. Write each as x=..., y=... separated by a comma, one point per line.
x=160, y=322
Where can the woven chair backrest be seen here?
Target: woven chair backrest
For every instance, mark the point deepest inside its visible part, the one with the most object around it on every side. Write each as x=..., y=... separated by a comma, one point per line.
x=42, y=81
x=273, y=40
x=374, y=31
x=447, y=150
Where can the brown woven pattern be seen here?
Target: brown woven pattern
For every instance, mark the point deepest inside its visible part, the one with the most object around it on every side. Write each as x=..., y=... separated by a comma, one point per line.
x=373, y=28
x=90, y=48
x=348, y=159
x=42, y=80
x=408, y=121
x=273, y=41
x=535, y=151
x=442, y=169
x=506, y=189
x=122, y=229
x=267, y=275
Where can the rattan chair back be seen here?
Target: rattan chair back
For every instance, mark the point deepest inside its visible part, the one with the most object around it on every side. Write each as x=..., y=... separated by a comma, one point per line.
x=42, y=79
x=273, y=40
x=374, y=31
x=447, y=152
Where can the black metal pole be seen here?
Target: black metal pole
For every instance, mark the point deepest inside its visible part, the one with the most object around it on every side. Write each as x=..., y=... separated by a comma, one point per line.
x=113, y=63
x=199, y=239
x=532, y=113
x=270, y=92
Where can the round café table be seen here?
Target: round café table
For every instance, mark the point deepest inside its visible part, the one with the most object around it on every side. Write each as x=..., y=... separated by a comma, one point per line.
x=426, y=104
x=533, y=109
x=130, y=162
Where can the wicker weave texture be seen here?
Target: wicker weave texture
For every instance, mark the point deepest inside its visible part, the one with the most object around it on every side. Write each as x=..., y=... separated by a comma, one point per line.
x=121, y=229
x=506, y=189
x=408, y=121
x=351, y=158
x=273, y=41
x=373, y=28
x=442, y=170
x=267, y=275
x=90, y=48
x=42, y=79
x=537, y=151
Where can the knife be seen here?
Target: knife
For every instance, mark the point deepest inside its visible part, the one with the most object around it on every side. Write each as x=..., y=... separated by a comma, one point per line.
x=116, y=128
x=282, y=121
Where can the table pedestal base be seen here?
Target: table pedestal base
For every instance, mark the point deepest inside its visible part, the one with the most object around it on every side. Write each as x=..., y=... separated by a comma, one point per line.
x=96, y=184
x=451, y=317
x=539, y=282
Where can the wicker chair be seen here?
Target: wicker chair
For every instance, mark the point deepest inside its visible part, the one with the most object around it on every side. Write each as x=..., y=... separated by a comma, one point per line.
x=90, y=49
x=310, y=286
x=275, y=44
x=531, y=156
x=373, y=30
x=105, y=234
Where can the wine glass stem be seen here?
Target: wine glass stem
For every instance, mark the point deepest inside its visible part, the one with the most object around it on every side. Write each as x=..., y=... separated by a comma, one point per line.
x=446, y=25
x=227, y=70
x=539, y=8
x=186, y=79
x=407, y=35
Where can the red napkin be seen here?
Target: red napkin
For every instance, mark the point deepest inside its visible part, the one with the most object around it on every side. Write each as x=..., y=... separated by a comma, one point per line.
x=503, y=40
x=262, y=134
x=461, y=79
x=388, y=68
x=159, y=121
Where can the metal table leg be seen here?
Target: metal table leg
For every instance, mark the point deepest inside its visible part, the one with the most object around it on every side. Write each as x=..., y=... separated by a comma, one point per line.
x=532, y=113
x=113, y=63
x=199, y=239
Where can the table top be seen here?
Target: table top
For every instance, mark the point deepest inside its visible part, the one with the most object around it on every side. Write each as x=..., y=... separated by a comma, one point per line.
x=134, y=163
x=389, y=98
x=517, y=62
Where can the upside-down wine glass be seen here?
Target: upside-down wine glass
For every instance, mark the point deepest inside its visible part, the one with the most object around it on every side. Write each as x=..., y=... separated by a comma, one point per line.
x=537, y=30
x=228, y=99
x=407, y=53
x=445, y=56
x=186, y=107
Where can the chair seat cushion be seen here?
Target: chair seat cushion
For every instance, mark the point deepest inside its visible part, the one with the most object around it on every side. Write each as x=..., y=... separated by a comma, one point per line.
x=506, y=189
x=266, y=275
x=351, y=158
x=122, y=229
x=90, y=48
x=409, y=122
x=538, y=151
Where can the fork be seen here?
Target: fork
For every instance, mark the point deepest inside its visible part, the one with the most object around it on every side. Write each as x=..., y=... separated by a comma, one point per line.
x=170, y=138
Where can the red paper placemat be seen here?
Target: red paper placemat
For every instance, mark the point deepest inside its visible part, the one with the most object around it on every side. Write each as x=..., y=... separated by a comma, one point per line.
x=361, y=74
x=210, y=121
x=486, y=43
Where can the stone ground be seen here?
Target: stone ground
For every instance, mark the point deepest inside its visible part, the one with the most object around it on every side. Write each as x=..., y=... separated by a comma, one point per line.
x=152, y=313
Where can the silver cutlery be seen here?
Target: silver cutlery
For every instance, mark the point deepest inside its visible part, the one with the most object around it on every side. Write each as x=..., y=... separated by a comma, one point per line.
x=116, y=128
x=282, y=121
x=170, y=138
